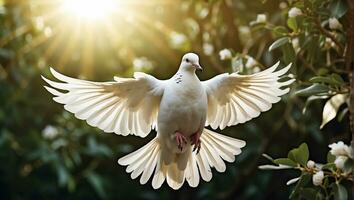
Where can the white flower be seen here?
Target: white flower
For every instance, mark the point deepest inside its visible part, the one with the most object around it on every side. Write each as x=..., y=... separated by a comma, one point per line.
x=261, y=18
x=208, y=48
x=310, y=164
x=329, y=43
x=339, y=162
x=317, y=178
x=177, y=39
x=340, y=149
x=334, y=23
x=225, y=54
x=244, y=30
x=142, y=63
x=294, y=12
x=296, y=45
x=50, y=132
x=250, y=62
x=283, y=5
x=291, y=76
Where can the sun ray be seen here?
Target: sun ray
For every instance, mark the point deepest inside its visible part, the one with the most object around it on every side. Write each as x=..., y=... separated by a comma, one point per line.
x=58, y=39
x=72, y=43
x=87, y=53
x=144, y=28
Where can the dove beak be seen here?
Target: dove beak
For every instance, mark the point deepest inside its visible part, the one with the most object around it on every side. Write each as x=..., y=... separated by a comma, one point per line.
x=197, y=66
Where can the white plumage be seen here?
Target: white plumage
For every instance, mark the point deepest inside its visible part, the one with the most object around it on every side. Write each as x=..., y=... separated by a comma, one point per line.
x=178, y=108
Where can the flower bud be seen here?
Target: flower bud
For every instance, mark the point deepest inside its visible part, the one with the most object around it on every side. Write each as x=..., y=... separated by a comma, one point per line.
x=334, y=23
x=294, y=12
x=339, y=162
x=317, y=178
x=261, y=18
x=225, y=54
x=250, y=62
x=310, y=164
x=50, y=132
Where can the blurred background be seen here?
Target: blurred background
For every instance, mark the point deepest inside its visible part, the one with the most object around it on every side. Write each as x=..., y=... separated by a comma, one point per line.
x=46, y=153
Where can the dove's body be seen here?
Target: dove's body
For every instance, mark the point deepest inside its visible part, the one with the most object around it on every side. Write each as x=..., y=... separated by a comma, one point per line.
x=175, y=115
x=180, y=108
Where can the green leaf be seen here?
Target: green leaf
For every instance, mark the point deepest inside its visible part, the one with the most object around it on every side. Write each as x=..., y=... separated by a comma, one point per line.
x=330, y=157
x=96, y=182
x=348, y=166
x=300, y=154
x=337, y=79
x=320, y=79
x=292, y=24
x=268, y=157
x=280, y=31
x=309, y=193
x=273, y=167
x=289, y=53
x=285, y=161
x=340, y=193
x=333, y=79
x=315, y=89
x=331, y=107
x=303, y=154
x=279, y=42
x=63, y=175
x=342, y=114
x=329, y=166
x=338, y=8
x=304, y=179
x=310, y=100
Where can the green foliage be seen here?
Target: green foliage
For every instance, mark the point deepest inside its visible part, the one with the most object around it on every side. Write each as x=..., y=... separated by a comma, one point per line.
x=300, y=155
x=325, y=186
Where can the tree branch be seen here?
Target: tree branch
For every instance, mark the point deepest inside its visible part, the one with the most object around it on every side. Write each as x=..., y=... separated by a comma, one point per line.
x=349, y=62
x=329, y=35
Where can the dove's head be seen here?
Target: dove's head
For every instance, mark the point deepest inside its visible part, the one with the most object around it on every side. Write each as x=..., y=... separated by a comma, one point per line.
x=190, y=62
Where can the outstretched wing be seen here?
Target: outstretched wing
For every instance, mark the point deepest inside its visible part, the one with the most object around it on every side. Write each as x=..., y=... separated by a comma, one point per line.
x=124, y=106
x=235, y=98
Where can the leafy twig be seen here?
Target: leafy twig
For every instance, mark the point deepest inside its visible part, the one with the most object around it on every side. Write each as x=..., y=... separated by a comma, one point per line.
x=330, y=35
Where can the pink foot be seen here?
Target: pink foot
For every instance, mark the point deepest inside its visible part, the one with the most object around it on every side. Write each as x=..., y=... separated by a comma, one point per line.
x=195, y=140
x=181, y=140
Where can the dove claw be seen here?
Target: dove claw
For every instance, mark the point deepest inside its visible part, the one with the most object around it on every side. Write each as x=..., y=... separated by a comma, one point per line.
x=180, y=140
x=195, y=140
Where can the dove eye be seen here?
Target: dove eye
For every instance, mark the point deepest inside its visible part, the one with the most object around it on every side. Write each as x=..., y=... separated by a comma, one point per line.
x=187, y=60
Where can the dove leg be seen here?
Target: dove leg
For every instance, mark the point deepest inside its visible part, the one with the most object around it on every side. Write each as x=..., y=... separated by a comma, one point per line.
x=181, y=140
x=195, y=140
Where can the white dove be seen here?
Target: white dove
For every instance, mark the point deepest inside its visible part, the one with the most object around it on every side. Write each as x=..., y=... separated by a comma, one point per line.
x=178, y=108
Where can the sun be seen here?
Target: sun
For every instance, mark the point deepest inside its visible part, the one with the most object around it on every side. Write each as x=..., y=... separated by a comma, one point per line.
x=90, y=9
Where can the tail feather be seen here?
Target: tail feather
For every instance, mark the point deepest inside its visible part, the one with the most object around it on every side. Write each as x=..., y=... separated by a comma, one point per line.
x=203, y=165
x=137, y=161
x=222, y=149
x=175, y=177
x=191, y=171
x=149, y=161
x=213, y=156
x=134, y=156
x=150, y=165
x=159, y=176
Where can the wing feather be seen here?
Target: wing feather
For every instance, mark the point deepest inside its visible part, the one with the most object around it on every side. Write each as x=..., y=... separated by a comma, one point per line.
x=124, y=106
x=235, y=98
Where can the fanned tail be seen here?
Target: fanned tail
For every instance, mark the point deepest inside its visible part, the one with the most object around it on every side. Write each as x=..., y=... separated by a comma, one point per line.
x=215, y=148
x=189, y=166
